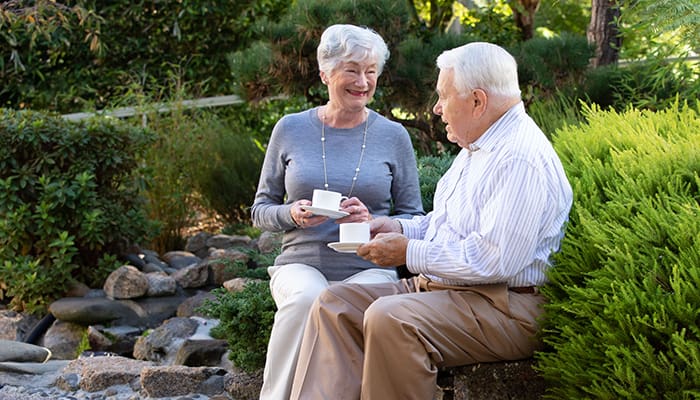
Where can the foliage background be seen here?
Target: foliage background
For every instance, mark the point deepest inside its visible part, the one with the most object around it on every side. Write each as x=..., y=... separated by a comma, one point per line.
x=622, y=317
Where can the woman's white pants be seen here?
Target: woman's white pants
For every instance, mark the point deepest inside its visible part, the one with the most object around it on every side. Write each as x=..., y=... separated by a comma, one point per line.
x=294, y=287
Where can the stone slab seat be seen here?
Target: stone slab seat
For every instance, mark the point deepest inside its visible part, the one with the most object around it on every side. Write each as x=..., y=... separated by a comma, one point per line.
x=511, y=380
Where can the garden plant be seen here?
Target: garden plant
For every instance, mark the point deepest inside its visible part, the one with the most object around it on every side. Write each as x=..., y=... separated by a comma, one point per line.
x=622, y=318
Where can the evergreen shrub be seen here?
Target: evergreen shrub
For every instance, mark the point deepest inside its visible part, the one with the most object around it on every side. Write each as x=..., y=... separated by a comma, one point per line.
x=430, y=170
x=653, y=84
x=547, y=64
x=69, y=202
x=622, y=321
x=245, y=322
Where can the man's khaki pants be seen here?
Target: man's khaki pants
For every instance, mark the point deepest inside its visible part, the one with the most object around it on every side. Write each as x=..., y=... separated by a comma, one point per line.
x=387, y=341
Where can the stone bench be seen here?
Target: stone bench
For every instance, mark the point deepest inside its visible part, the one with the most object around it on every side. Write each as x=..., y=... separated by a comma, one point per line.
x=514, y=380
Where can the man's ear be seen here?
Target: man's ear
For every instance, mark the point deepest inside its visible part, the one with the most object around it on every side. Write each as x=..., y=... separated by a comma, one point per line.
x=481, y=100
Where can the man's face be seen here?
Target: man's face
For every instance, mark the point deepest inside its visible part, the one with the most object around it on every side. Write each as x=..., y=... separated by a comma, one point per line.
x=457, y=111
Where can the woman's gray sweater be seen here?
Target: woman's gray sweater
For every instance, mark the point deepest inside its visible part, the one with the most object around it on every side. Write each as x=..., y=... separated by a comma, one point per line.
x=387, y=183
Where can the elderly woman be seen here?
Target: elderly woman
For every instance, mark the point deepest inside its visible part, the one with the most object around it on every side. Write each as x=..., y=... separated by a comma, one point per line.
x=341, y=146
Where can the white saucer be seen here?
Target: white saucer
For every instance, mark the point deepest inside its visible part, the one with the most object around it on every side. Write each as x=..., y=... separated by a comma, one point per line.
x=325, y=212
x=345, y=247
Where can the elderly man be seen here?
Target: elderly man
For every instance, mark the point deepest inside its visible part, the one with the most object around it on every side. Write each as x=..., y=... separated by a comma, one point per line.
x=480, y=255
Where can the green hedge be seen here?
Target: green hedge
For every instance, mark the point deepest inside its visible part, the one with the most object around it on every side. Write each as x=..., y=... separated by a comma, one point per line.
x=623, y=316
x=69, y=202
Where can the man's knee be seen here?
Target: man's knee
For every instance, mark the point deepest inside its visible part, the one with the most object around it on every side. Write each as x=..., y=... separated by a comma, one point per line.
x=382, y=312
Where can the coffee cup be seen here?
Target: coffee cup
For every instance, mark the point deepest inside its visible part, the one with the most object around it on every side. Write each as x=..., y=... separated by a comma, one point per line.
x=327, y=199
x=354, y=232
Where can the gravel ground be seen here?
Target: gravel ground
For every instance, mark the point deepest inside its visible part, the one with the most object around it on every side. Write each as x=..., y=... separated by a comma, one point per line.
x=15, y=386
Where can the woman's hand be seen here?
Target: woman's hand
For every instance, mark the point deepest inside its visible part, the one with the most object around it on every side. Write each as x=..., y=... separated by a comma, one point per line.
x=305, y=219
x=357, y=210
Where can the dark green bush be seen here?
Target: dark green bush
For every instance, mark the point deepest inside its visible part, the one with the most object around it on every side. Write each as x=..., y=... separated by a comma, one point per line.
x=430, y=170
x=622, y=320
x=74, y=55
x=69, y=202
x=653, y=84
x=550, y=63
x=245, y=321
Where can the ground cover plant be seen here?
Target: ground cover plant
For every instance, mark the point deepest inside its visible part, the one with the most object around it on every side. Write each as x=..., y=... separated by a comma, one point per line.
x=623, y=317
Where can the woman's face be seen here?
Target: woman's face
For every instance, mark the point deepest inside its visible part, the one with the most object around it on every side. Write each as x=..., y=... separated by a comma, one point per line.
x=351, y=84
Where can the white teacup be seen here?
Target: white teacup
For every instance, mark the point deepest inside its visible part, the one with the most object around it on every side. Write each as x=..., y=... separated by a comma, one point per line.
x=327, y=199
x=354, y=232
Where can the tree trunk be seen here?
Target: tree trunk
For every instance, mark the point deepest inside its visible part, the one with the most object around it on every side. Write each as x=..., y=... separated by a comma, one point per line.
x=604, y=33
x=524, y=14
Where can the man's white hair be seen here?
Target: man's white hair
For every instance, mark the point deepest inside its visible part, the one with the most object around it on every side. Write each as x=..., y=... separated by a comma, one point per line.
x=481, y=65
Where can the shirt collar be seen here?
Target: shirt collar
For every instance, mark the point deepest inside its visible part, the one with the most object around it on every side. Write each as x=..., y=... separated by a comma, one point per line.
x=494, y=134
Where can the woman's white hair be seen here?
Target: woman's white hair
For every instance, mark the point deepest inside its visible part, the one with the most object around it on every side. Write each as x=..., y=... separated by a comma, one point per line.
x=342, y=42
x=481, y=65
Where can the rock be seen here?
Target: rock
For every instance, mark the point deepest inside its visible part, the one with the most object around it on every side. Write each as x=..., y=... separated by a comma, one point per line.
x=102, y=372
x=197, y=244
x=160, y=284
x=193, y=276
x=97, y=340
x=221, y=265
x=63, y=339
x=189, y=306
x=180, y=259
x=152, y=311
x=269, y=242
x=15, y=326
x=119, y=339
x=244, y=386
x=91, y=311
x=227, y=241
x=162, y=343
x=201, y=353
x=22, y=352
x=34, y=368
x=514, y=380
x=237, y=284
x=77, y=289
x=136, y=260
x=126, y=282
x=175, y=380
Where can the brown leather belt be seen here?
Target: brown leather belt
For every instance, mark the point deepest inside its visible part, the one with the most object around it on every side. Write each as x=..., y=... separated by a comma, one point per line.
x=524, y=289
x=424, y=284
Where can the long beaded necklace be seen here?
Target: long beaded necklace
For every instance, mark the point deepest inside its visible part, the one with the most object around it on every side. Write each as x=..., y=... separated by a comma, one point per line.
x=323, y=153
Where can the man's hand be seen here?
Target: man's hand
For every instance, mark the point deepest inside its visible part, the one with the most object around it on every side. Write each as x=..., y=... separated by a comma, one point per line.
x=385, y=250
x=384, y=225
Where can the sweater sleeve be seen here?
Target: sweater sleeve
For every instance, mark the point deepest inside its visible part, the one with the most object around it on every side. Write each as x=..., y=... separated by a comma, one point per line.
x=269, y=211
